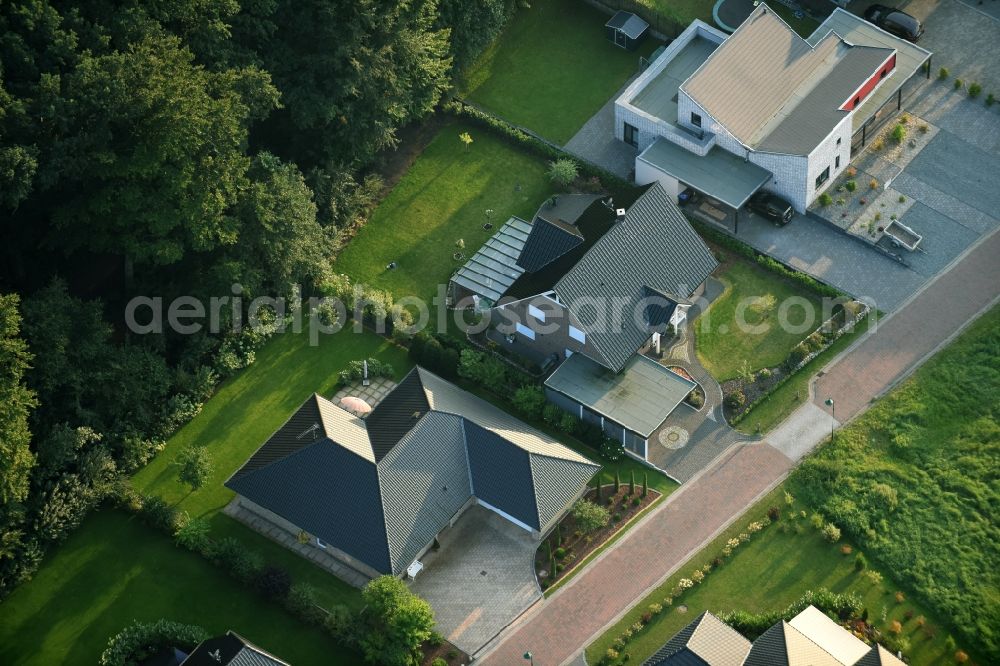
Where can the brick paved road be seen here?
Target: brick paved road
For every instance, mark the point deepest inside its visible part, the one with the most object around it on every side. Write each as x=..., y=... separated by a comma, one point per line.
x=904, y=339
x=570, y=618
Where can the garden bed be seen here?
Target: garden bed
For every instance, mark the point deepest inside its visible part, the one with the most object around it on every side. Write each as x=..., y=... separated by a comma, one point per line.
x=741, y=394
x=444, y=651
x=575, y=545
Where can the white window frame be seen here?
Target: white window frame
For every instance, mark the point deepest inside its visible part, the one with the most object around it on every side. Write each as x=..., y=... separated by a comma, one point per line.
x=320, y=543
x=525, y=331
x=536, y=313
x=577, y=334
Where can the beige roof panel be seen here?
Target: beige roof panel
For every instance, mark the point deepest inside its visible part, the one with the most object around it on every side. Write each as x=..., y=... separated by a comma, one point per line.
x=824, y=632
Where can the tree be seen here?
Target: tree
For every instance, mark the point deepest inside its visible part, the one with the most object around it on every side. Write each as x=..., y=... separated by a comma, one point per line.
x=465, y=138
x=395, y=623
x=590, y=517
x=563, y=171
x=618, y=481
x=473, y=25
x=645, y=484
x=16, y=403
x=631, y=482
x=597, y=487
x=194, y=466
x=529, y=400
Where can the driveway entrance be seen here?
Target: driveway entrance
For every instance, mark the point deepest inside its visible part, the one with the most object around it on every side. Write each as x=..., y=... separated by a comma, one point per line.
x=480, y=580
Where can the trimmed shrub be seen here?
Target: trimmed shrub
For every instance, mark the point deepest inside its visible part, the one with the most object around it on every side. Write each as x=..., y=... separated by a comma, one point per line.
x=990, y=99
x=736, y=399
x=831, y=533
x=141, y=640
x=439, y=661
x=974, y=90
x=825, y=199
x=943, y=73
x=563, y=171
x=529, y=400
x=860, y=562
x=899, y=133
x=958, y=84
x=752, y=625
x=589, y=516
x=560, y=553
x=158, y=514
x=194, y=535
x=273, y=582
x=301, y=601
x=696, y=399
x=612, y=451
x=851, y=185
x=773, y=514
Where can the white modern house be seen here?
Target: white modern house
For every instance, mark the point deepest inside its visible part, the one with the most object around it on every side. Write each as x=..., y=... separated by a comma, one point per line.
x=763, y=108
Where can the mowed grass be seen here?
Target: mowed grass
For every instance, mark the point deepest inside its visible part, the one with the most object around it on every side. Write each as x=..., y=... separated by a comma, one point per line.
x=774, y=570
x=744, y=322
x=114, y=570
x=552, y=68
x=442, y=198
x=249, y=408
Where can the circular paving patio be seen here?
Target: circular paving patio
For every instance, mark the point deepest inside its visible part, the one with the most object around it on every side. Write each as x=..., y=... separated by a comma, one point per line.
x=674, y=437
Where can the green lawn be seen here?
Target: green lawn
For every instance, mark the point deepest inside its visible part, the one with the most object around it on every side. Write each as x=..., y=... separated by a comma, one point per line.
x=723, y=342
x=785, y=399
x=914, y=480
x=442, y=198
x=552, y=68
x=114, y=570
x=775, y=569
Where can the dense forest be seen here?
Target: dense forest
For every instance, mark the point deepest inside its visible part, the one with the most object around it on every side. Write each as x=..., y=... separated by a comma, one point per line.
x=177, y=147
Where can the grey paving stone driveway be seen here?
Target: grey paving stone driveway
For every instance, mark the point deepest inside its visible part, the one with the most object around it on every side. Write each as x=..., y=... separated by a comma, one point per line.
x=480, y=580
x=964, y=36
x=595, y=142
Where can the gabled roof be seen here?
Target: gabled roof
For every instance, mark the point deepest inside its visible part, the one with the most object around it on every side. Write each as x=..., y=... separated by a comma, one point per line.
x=230, y=650
x=380, y=488
x=756, y=80
x=879, y=656
x=706, y=641
x=547, y=241
x=627, y=22
x=784, y=645
x=824, y=632
x=653, y=247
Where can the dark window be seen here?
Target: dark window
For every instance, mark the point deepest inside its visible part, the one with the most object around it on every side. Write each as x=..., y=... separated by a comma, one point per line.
x=823, y=177
x=838, y=140
x=631, y=135
x=884, y=73
x=836, y=160
x=857, y=100
x=696, y=120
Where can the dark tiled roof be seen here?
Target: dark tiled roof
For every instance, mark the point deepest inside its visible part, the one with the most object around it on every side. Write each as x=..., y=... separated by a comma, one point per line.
x=231, y=650
x=396, y=414
x=499, y=469
x=380, y=489
x=655, y=248
x=301, y=429
x=879, y=656
x=547, y=242
x=707, y=641
x=328, y=491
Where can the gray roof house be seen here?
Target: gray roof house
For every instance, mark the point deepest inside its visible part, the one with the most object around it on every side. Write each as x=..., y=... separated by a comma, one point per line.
x=619, y=291
x=763, y=108
x=374, y=491
x=809, y=639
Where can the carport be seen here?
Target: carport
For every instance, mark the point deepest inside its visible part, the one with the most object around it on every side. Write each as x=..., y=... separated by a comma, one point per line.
x=628, y=405
x=724, y=179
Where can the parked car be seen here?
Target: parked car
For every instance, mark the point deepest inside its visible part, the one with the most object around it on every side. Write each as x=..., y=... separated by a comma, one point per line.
x=894, y=21
x=772, y=207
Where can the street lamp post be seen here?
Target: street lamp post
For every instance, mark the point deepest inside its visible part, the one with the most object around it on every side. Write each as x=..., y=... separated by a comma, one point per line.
x=833, y=414
x=529, y=658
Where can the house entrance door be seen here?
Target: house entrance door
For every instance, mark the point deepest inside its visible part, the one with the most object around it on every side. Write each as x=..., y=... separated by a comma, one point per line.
x=621, y=39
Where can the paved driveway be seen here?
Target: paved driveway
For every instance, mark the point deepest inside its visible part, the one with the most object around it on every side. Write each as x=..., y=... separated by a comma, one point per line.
x=480, y=580
x=964, y=36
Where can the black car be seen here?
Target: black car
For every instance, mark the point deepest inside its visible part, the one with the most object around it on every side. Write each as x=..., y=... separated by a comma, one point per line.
x=772, y=207
x=894, y=21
